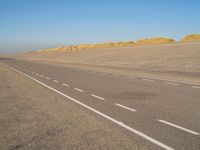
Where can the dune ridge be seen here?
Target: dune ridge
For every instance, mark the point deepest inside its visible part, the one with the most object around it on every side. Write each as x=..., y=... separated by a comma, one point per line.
x=140, y=42
x=191, y=37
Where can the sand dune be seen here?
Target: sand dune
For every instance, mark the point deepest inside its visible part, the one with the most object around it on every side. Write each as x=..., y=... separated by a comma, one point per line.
x=141, y=42
x=192, y=37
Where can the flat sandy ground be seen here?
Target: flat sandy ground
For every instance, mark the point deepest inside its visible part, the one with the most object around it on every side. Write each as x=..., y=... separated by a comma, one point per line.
x=180, y=61
x=33, y=117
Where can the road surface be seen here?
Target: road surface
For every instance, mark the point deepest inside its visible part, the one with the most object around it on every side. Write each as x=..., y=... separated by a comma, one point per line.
x=160, y=113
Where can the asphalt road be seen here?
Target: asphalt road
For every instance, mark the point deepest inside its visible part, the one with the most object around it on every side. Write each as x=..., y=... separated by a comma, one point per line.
x=162, y=114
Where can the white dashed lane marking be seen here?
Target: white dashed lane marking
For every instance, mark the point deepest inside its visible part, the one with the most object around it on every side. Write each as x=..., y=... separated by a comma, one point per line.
x=171, y=83
x=77, y=89
x=55, y=81
x=125, y=107
x=48, y=78
x=101, y=98
x=150, y=80
x=64, y=84
x=130, y=77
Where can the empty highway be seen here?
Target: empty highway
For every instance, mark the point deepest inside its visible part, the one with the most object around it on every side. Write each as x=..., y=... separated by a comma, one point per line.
x=162, y=114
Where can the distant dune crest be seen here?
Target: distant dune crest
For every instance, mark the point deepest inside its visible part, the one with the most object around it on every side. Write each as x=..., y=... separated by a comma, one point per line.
x=192, y=37
x=155, y=40
x=140, y=42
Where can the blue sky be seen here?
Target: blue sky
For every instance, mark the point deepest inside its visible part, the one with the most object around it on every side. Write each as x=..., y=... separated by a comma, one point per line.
x=37, y=24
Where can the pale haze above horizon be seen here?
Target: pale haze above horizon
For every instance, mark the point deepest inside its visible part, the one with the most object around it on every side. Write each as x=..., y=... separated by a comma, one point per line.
x=38, y=24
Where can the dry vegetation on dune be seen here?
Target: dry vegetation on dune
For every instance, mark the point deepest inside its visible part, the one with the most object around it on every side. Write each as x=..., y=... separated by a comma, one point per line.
x=141, y=42
x=87, y=46
x=155, y=40
x=192, y=37
x=151, y=41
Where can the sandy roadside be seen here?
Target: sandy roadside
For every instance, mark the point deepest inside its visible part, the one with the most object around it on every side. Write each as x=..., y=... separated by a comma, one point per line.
x=180, y=61
x=33, y=117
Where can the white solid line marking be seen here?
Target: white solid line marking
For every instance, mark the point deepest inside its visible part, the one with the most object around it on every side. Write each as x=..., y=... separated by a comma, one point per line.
x=171, y=83
x=65, y=84
x=148, y=80
x=77, y=89
x=48, y=78
x=97, y=96
x=125, y=107
x=99, y=113
x=196, y=87
x=55, y=81
x=179, y=127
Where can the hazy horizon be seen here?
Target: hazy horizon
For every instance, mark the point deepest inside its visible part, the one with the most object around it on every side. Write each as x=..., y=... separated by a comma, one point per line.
x=31, y=25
